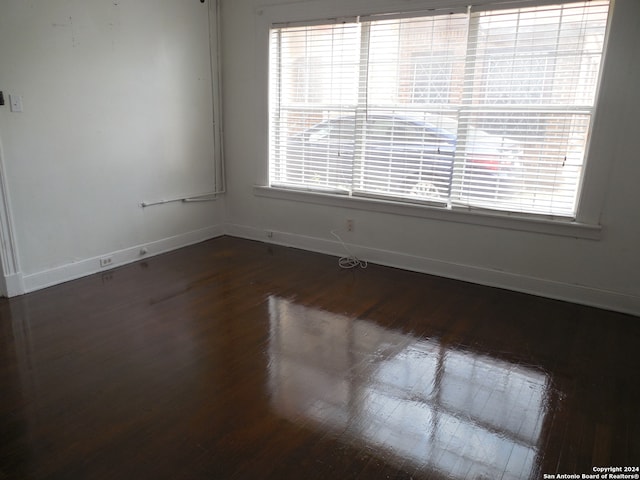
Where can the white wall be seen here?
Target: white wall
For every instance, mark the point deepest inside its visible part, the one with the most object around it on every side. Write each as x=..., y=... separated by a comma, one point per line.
x=117, y=109
x=603, y=272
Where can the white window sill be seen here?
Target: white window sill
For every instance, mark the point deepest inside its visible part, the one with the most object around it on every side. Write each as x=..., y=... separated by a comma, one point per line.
x=560, y=227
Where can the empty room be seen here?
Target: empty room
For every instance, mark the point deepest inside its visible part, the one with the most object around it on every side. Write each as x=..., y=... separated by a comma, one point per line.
x=318, y=239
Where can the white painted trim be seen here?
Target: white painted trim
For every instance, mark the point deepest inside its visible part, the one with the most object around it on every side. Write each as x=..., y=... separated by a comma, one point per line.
x=304, y=10
x=9, y=264
x=521, y=283
x=215, y=39
x=547, y=226
x=72, y=271
x=14, y=285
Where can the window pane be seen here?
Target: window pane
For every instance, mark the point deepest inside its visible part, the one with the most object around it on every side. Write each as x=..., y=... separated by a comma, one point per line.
x=417, y=61
x=314, y=73
x=414, y=82
x=532, y=78
x=532, y=162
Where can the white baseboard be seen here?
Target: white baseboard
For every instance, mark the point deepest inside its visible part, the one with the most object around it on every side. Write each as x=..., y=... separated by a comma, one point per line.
x=18, y=284
x=11, y=285
x=72, y=271
x=14, y=284
x=584, y=295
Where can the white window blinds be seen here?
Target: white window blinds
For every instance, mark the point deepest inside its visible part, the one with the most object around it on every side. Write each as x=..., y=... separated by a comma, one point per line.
x=487, y=109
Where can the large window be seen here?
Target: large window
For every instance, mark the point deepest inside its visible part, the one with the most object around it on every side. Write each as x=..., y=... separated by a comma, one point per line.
x=470, y=109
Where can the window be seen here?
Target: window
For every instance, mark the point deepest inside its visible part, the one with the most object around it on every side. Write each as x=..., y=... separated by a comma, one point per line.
x=486, y=109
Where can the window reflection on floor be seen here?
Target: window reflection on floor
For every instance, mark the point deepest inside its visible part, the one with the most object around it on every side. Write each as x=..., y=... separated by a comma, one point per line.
x=466, y=415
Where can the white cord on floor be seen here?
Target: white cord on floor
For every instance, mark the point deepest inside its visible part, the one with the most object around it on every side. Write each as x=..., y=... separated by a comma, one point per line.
x=350, y=261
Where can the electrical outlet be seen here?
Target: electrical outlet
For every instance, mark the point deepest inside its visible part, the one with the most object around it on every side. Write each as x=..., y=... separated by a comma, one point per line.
x=106, y=261
x=350, y=225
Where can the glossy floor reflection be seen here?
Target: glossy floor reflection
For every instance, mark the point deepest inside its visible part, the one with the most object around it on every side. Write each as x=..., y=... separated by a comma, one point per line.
x=420, y=404
x=238, y=360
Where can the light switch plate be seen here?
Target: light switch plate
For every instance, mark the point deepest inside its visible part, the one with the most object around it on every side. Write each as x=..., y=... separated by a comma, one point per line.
x=16, y=103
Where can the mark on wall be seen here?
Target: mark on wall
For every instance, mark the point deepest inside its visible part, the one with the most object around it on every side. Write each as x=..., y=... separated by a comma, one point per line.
x=71, y=28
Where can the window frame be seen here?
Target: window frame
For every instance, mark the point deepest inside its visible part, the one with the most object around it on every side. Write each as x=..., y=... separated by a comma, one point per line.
x=592, y=191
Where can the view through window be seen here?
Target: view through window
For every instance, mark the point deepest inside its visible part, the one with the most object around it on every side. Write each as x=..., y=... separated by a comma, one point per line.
x=485, y=109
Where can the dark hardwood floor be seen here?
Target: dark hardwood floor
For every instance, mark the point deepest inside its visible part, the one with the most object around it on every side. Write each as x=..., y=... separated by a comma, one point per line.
x=234, y=359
